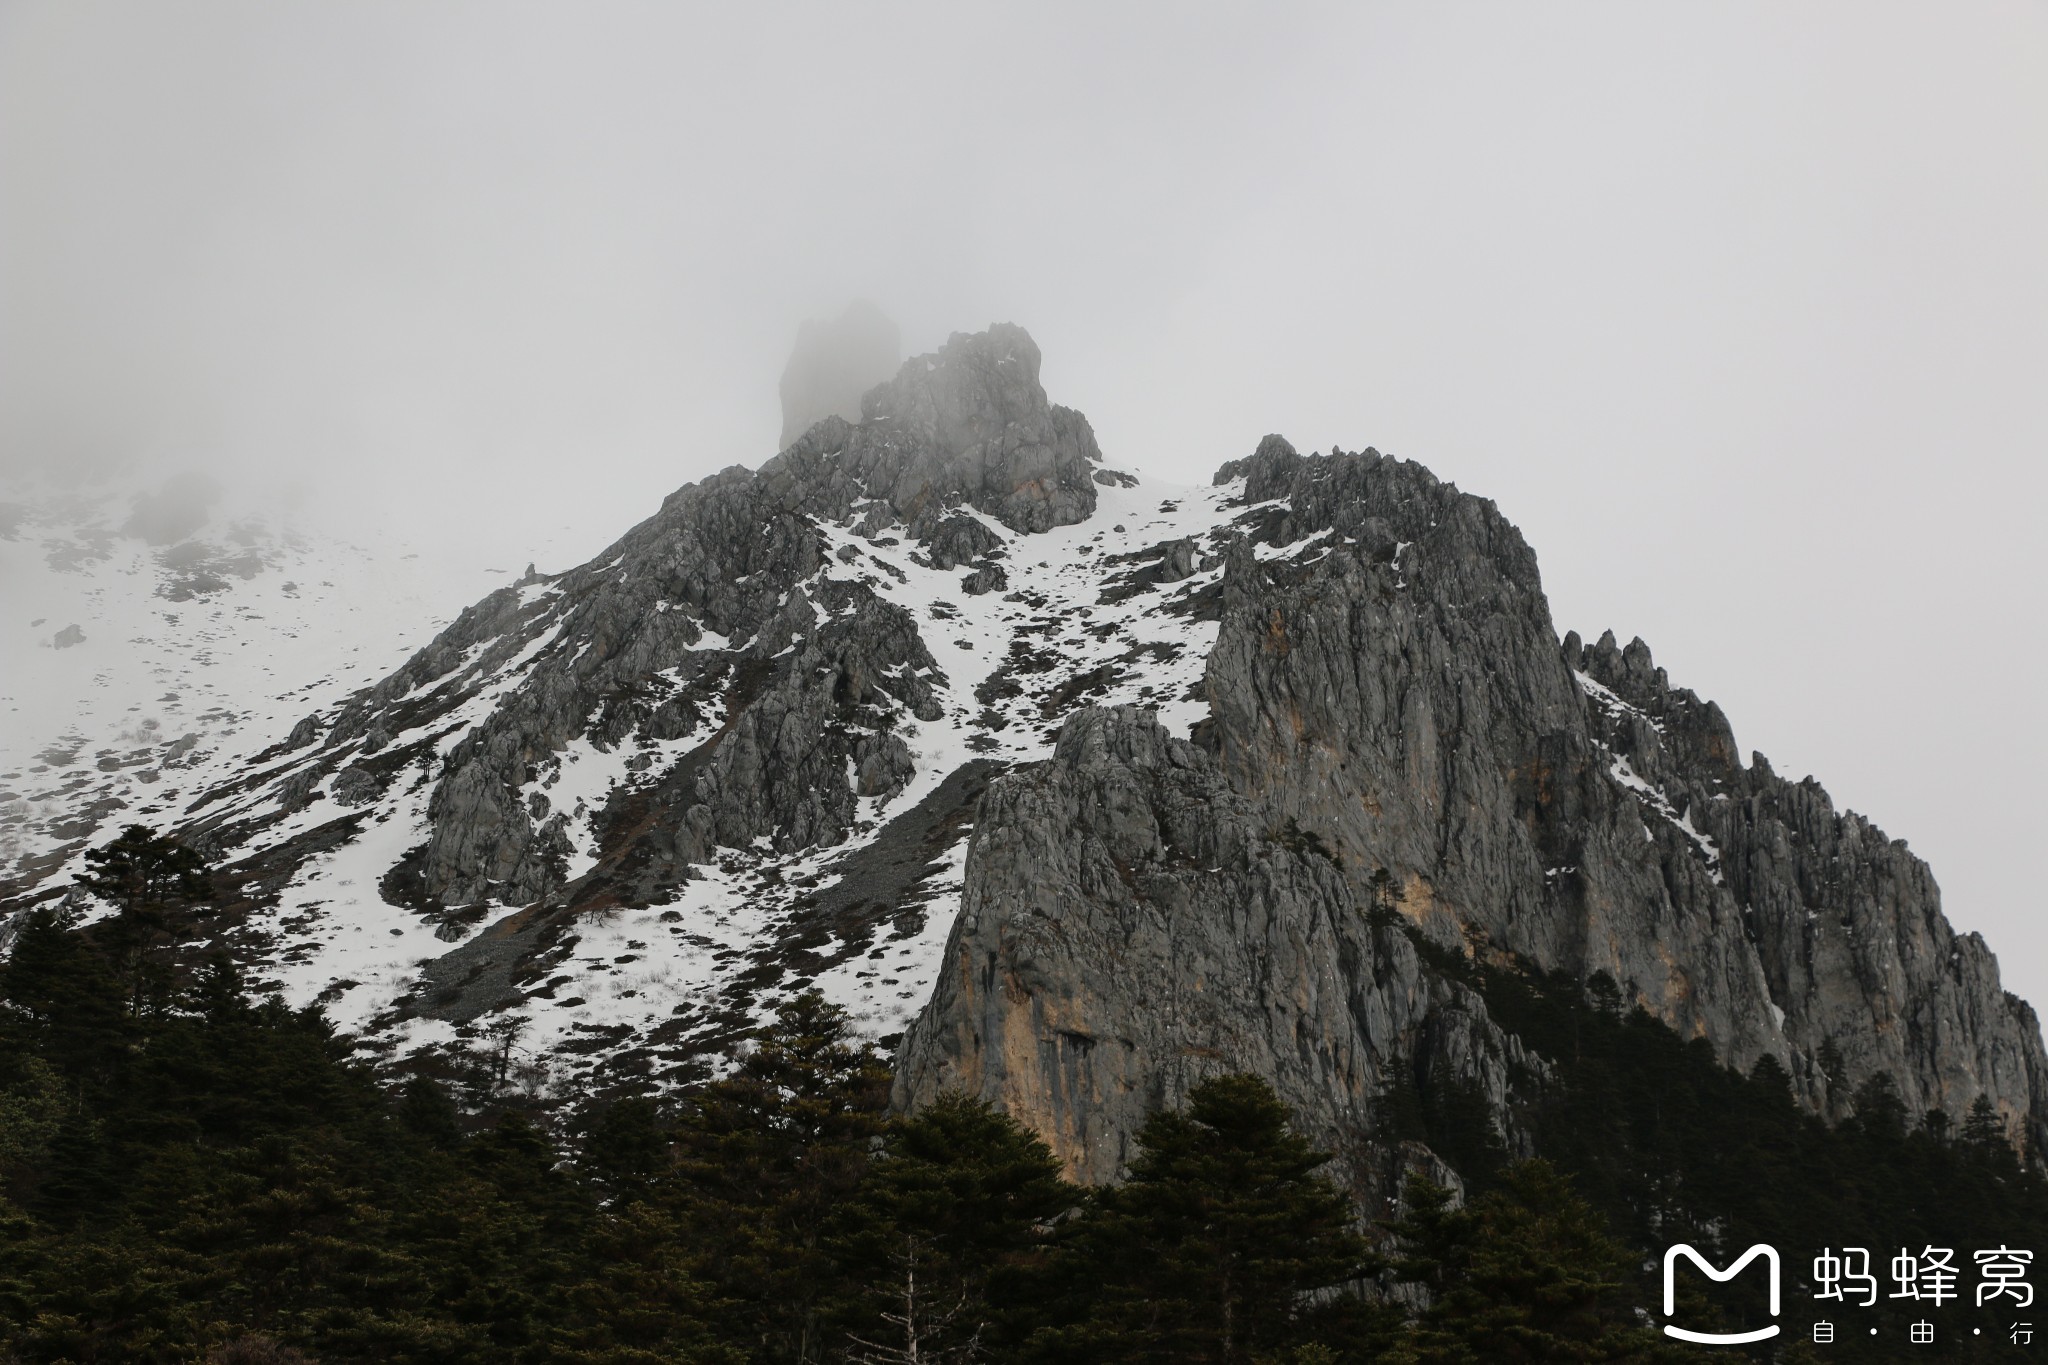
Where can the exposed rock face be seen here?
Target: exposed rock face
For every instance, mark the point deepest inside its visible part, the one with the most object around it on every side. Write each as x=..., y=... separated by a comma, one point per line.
x=834, y=363
x=1131, y=925
x=1417, y=715
x=1392, y=691
x=1845, y=924
x=979, y=422
x=1403, y=697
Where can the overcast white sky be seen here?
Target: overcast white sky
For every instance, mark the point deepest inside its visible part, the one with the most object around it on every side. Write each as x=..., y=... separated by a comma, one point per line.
x=1740, y=311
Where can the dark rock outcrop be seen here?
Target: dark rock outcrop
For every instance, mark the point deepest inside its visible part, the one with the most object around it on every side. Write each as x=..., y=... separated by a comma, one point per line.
x=972, y=423
x=1864, y=973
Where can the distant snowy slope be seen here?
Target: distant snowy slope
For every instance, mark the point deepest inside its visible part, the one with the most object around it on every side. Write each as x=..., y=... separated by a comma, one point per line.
x=155, y=635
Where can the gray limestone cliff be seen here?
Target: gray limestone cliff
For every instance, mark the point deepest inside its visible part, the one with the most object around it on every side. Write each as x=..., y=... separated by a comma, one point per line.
x=1387, y=690
x=1131, y=924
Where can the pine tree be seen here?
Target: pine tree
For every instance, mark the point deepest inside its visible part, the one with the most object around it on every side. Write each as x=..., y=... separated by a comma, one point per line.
x=1210, y=1250
x=60, y=1001
x=764, y=1158
x=284, y=1234
x=1436, y=1236
x=144, y=876
x=32, y=1107
x=647, y=1294
x=61, y=1018
x=624, y=1146
x=1984, y=1131
x=937, y=1235
x=1879, y=1113
x=428, y=1114
x=1529, y=1273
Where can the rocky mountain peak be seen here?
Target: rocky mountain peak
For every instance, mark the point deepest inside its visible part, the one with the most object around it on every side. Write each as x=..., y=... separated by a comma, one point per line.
x=966, y=392
x=969, y=422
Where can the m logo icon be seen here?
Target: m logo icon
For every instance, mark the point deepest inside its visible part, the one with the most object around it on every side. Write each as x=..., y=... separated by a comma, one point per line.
x=1770, y=1255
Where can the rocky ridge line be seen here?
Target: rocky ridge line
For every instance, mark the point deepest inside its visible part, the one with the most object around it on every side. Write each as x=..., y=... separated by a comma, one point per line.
x=1387, y=688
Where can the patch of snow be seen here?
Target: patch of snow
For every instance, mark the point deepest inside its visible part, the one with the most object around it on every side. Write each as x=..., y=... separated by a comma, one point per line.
x=1651, y=796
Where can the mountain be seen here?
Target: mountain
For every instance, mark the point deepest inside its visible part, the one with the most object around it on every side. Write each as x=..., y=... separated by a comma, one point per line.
x=1076, y=788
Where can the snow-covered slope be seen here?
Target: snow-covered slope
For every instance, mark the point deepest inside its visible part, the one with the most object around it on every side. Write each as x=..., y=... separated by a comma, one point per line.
x=331, y=935
x=156, y=634
x=631, y=972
